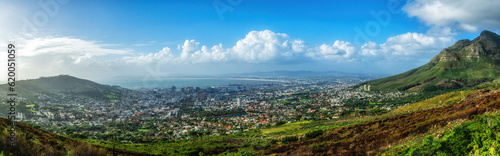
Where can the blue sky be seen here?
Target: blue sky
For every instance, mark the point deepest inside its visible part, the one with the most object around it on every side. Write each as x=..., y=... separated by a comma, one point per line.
x=173, y=22
x=207, y=37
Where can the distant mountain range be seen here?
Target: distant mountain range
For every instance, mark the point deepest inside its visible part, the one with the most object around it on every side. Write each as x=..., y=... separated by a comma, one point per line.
x=306, y=74
x=465, y=64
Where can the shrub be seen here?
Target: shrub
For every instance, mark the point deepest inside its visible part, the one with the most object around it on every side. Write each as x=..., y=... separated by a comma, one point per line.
x=431, y=88
x=314, y=134
x=79, y=136
x=280, y=123
x=288, y=139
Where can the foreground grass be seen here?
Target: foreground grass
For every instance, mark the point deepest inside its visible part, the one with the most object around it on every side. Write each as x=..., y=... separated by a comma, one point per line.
x=213, y=145
x=480, y=136
x=246, y=142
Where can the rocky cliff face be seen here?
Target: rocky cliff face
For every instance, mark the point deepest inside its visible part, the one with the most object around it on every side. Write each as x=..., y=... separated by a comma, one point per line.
x=448, y=56
x=476, y=51
x=483, y=47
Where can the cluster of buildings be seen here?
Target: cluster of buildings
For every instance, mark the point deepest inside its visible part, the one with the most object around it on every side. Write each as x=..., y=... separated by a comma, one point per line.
x=174, y=113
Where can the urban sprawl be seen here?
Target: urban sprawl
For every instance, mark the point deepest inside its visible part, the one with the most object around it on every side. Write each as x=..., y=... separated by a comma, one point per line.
x=177, y=113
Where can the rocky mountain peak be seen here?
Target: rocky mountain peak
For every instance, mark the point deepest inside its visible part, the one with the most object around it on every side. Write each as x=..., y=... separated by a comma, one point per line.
x=486, y=44
x=488, y=34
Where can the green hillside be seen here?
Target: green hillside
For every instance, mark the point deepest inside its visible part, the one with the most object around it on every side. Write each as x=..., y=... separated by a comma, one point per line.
x=31, y=141
x=465, y=64
x=66, y=84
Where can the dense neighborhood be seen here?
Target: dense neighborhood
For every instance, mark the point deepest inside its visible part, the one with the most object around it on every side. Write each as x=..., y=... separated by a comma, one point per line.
x=179, y=113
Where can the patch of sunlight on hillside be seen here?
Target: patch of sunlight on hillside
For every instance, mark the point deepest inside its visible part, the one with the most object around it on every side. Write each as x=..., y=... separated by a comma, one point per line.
x=435, y=102
x=285, y=127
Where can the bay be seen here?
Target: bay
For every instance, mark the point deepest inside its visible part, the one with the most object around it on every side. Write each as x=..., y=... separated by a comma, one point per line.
x=191, y=82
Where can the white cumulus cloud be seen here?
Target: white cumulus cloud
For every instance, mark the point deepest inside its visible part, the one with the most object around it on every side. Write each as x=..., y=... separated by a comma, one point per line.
x=263, y=46
x=340, y=51
x=298, y=46
x=189, y=47
x=165, y=55
x=206, y=55
x=257, y=47
x=407, y=46
x=468, y=15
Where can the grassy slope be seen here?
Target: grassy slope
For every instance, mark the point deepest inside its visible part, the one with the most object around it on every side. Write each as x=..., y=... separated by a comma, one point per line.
x=32, y=142
x=421, y=75
x=52, y=86
x=61, y=84
x=250, y=141
x=479, y=136
x=417, y=143
x=374, y=136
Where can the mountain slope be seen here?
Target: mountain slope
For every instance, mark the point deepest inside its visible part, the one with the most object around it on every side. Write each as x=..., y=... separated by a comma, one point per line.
x=369, y=138
x=33, y=142
x=465, y=64
x=66, y=84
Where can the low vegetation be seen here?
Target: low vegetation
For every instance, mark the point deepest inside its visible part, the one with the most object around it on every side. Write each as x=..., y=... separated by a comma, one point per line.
x=480, y=136
x=31, y=141
x=375, y=136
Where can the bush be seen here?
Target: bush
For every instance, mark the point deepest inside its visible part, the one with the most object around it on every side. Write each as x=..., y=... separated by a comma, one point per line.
x=78, y=136
x=314, y=134
x=229, y=153
x=431, y=88
x=280, y=123
x=288, y=139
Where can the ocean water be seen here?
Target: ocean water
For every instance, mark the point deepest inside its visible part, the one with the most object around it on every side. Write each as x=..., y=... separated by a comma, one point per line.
x=190, y=82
